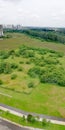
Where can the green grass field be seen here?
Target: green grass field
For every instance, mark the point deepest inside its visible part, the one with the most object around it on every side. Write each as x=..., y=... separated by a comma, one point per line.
x=43, y=98
x=19, y=39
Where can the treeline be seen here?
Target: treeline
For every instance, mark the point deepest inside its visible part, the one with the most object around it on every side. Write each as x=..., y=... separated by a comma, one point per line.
x=46, y=35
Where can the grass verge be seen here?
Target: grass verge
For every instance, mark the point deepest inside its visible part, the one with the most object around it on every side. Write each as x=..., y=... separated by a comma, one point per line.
x=36, y=124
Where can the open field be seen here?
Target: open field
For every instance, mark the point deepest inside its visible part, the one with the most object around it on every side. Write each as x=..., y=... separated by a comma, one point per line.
x=43, y=98
x=19, y=39
x=47, y=99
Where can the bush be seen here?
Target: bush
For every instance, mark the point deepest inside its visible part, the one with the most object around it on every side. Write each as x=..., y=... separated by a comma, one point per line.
x=1, y=82
x=44, y=122
x=31, y=54
x=4, y=54
x=30, y=118
x=13, y=76
x=23, y=118
x=21, y=62
x=7, y=112
x=61, y=82
x=20, y=69
x=31, y=85
x=11, y=52
x=14, y=66
x=17, y=53
x=5, y=68
x=28, y=62
x=33, y=72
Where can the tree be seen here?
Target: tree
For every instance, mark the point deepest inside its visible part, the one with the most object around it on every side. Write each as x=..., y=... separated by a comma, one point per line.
x=30, y=118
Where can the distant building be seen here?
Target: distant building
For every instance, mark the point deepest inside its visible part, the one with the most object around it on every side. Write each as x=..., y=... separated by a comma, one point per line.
x=1, y=30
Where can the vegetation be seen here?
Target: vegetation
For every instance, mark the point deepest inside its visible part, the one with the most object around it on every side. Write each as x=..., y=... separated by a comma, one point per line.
x=39, y=75
x=13, y=76
x=18, y=39
x=47, y=34
x=27, y=122
x=46, y=65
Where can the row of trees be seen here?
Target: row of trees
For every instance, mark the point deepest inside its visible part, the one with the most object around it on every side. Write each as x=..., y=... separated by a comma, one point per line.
x=42, y=33
x=46, y=35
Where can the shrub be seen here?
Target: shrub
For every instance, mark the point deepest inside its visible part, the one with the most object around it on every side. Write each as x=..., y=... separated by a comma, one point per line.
x=7, y=112
x=13, y=76
x=20, y=69
x=30, y=118
x=61, y=82
x=28, y=62
x=21, y=62
x=4, y=54
x=14, y=66
x=31, y=54
x=11, y=52
x=1, y=82
x=5, y=68
x=17, y=53
x=23, y=118
x=31, y=85
x=44, y=122
x=33, y=72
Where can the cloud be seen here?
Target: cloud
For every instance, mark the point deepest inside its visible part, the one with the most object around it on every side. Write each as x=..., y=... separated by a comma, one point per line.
x=13, y=1
x=33, y=12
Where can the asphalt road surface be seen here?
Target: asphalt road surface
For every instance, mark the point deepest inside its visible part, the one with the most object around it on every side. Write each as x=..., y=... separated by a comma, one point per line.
x=5, y=125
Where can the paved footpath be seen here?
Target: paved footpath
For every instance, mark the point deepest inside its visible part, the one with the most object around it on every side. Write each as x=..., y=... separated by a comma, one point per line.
x=20, y=113
x=8, y=125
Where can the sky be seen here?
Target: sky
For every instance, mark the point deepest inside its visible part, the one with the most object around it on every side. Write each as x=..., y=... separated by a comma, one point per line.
x=42, y=13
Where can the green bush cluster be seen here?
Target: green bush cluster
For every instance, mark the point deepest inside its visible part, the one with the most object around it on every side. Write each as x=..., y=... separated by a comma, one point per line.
x=4, y=54
x=34, y=72
x=48, y=75
x=47, y=66
x=33, y=119
x=5, y=67
x=14, y=66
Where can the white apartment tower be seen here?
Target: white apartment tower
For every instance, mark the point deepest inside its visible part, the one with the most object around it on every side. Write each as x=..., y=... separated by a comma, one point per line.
x=1, y=30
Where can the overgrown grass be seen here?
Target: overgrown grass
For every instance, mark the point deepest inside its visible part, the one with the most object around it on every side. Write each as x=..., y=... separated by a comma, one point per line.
x=48, y=97
x=19, y=39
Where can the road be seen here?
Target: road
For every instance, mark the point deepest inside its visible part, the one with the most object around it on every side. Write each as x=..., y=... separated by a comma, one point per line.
x=20, y=113
x=5, y=125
